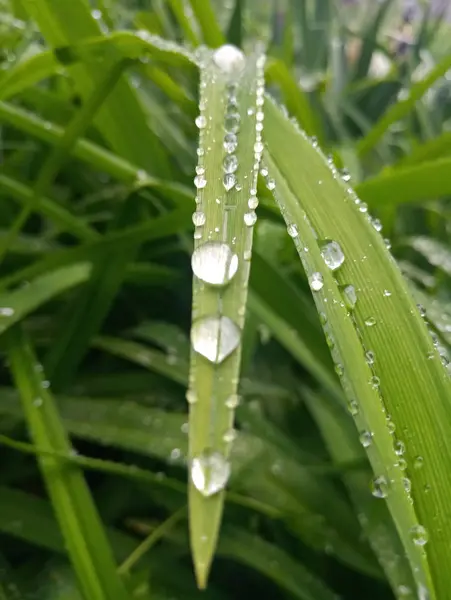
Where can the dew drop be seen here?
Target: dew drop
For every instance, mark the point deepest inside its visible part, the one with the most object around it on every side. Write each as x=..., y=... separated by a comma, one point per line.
x=370, y=357
x=387, y=243
x=370, y=322
x=232, y=401
x=210, y=472
x=293, y=230
x=407, y=484
x=391, y=426
x=230, y=142
x=401, y=464
x=258, y=147
x=229, y=59
x=264, y=172
x=229, y=436
x=363, y=207
x=215, y=338
x=191, y=397
x=387, y=294
x=214, y=263
x=316, y=281
x=250, y=218
x=350, y=296
x=419, y=535
x=6, y=311
x=375, y=382
x=421, y=310
x=270, y=184
x=200, y=182
x=252, y=202
x=376, y=224
x=332, y=254
x=353, y=407
x=199, y=218
x=345, y=175
x=232, y=122
x=418, y=462
x=230, y=163
x=379, y=487
x=229, y=181
x=201, y=122
x=399, y=448
x=38, y=402
x=366, y=438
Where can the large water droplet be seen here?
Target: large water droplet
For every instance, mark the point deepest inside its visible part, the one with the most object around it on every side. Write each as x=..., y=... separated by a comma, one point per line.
x=215, y=338
x=332, y=254
x=214, y=263
x=201, y=121
x=379, y=487
x=316, y=281
x=200, y=182
x=230, y=142
x=210, y=472
x=419, y=535
x=252, y=202
x=199, y=218
x=229, y=59
x=250, y=218
x=229, y=181
x=230, y=163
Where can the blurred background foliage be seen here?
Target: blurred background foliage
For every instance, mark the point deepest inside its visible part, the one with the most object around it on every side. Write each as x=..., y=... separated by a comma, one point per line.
x=96, y=198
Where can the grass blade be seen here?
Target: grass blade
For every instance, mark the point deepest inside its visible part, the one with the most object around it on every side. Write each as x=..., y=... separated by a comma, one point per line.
x=231, y=97
x=87, y=545
x=400, y=381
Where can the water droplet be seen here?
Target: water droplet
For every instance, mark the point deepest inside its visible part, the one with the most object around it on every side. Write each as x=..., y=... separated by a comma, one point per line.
x=379, y=487
x=369, y=357
x=214, y=263
x=418, y=462
x=270, y=184
x=399, y=448
x=332, y=254
x=258, y=147
x=45, y=384
x=345, y=175
x=419, y=535
x=375, y=382
x=370, y=321
x=421, y=310
x=38, y=402
x=175, y=455
x=387, y=294
x=6, y=311
x=199, y=218
x=200, y=182
x=376, y=224
x=191, y=397
x=229, y=436
x=366, y=438
x=387, y=243
x=353, y=407
x=230, y=142
x=363, y=207
x=264, y=172
x=229, y=59
x=232, y=122
x=292, y=230
x=252, y=202
x=350, y=296
x=250, y=218
x=215, y=338
x=230, y=163
x=229, y=181
x=404, y=591
x=210, y=472
x=201, y=122
x=391, y=426
x=407, y=484
x=316, y=281
x=401, y=464
x=232, y=401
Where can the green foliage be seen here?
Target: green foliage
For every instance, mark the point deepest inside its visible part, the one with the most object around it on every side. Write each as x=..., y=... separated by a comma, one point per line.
x=331, y=410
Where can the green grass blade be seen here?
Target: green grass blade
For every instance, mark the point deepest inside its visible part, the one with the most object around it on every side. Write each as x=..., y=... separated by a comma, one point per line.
x=205, y=15
x=121, y=120
x=235, y=28
x=402, y=109
x=419, y=183
x=231, y=97
x=400, y=382
x=27, y=73
x=178, y=8
x=437, y=147
x=87, y=545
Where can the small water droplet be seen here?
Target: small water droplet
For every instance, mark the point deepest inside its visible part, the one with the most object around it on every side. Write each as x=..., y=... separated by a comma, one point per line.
x=363, y=207
x=200, y=182
x=421, y=310
x=264, y=172
x=391, y=426
x=6, y=311
x=232, y=122
x=258, y=147
x=387, y=243
x=387, y=294
x=366, y=438
x=210, y=472
x=370, y=357
x=229, y=436
x=419, y=535
x=370, y=321
x=407, y=484
x=293, y=230
x=379, y=487
x=252, y=202
x=175, y=455
x=199, y=218
x=401, y=464
x=353, y=407
x=229, y=59
x=201, y=122
x=38, y=402
x=229, y=181
x=350, y=296
x=316, y=281
x=191, y=397
x=215, y=338
x=45, y=384
x=376, y=224
x=250, y=218
x=232, y=401
x=271, y=184
x=214, y=263
x=399, y=448
x=345, y=175
x=332, y=254
x=418, y=462
x=230, y=142
x=375, y=382
x=230, y=163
